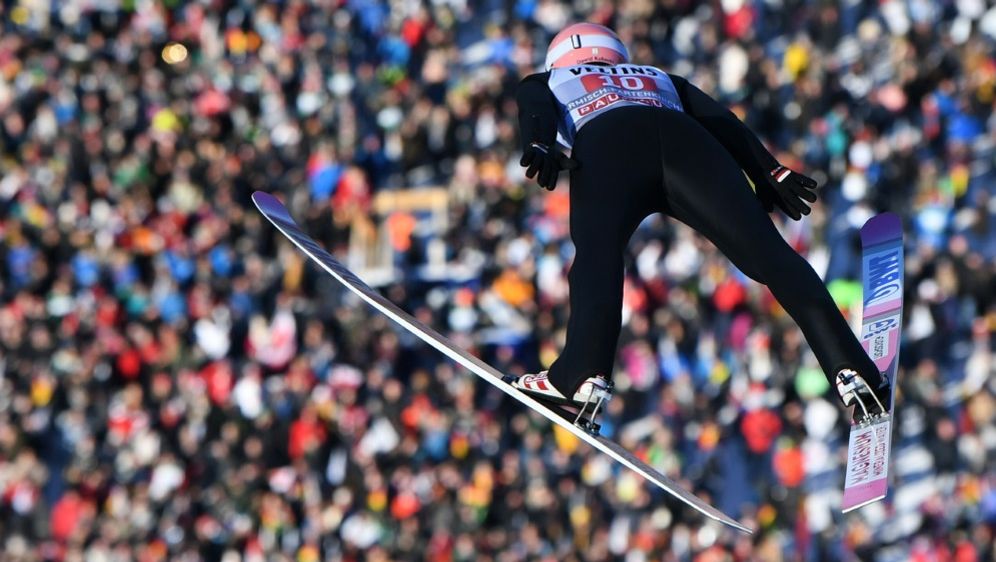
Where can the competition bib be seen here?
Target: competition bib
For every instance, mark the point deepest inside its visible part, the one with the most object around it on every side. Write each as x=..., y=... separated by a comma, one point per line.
x=583, y=92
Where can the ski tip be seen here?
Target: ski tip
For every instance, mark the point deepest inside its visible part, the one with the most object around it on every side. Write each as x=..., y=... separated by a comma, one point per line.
x=270, y=206
x=261, y=198
x=883, y=223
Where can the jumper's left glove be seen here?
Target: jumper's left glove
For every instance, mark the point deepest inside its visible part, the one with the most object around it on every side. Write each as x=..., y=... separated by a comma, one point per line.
x=788, y=190
x=547, y=163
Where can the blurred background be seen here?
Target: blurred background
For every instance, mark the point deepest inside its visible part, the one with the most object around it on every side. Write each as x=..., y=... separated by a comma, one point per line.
x=177, y=383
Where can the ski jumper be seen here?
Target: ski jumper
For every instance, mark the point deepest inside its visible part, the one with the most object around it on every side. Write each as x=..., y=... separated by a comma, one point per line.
x=648, y=142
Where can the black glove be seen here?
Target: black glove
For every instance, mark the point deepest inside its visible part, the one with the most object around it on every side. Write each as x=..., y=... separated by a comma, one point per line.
x=787, y=190
x=547, y=162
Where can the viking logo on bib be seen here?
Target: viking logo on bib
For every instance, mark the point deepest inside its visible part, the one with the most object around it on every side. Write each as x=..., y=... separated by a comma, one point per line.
x=586, y=91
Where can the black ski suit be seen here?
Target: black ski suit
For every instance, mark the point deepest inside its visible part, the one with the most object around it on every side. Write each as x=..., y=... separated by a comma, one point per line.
x=638, y=160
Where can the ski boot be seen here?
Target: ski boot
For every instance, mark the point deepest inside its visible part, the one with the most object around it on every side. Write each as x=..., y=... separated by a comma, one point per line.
x=869, y=404
x=589, y=398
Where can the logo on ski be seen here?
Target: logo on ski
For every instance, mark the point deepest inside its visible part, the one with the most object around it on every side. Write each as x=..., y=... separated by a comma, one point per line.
x=877, y=336
x=884, y=277
x=869, y=456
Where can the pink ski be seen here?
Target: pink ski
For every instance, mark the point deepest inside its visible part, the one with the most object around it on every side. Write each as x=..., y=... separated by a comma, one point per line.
x=869, y=446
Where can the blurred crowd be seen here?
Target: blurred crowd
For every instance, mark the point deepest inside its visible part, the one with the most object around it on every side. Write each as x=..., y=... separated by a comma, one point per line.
x=177, y=383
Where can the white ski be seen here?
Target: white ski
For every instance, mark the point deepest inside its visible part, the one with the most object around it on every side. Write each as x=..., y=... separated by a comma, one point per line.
x=277, y=214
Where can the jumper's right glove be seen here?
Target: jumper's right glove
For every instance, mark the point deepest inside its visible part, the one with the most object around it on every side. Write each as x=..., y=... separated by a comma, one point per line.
x=540, y=159
x=789, y=191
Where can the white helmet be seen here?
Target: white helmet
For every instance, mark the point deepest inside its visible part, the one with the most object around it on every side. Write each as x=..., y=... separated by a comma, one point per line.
x=583, y=43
